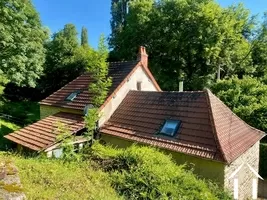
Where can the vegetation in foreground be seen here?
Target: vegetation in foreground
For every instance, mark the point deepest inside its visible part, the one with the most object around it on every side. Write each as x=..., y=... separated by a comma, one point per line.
x=108, y=173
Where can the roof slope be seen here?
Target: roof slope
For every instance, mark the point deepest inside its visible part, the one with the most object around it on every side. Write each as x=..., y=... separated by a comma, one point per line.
x=41, y=134
x=209, y=129
x=118, y=71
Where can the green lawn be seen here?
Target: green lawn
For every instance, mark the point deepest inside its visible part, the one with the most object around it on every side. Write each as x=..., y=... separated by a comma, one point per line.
x=25, y=112
x=106, y=173
x=5, y=128
x=54, y=179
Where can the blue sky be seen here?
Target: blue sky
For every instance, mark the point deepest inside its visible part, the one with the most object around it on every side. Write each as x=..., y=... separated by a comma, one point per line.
x=95, y=15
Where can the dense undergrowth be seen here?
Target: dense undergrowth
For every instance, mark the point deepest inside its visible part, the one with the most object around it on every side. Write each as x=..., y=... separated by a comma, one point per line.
x=108, y=173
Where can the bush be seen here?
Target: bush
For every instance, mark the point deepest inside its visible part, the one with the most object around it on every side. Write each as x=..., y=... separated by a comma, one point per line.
x=263, y=160
x=145, y=173
x=54, y=179
x=247, y=98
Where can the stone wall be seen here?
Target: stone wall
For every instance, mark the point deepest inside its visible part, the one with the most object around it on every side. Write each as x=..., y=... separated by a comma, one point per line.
x=46, y=111
x=245, y=176
x=10, y=186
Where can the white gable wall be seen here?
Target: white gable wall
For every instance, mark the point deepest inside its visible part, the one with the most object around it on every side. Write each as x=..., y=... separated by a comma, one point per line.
x=138, y=76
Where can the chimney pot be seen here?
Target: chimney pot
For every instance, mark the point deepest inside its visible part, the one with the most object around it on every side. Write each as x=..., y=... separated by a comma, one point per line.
x=142, y=56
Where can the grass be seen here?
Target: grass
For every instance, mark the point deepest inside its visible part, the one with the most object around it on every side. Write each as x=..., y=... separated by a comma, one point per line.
x=110, y=174
x=25, y=112
x=54, y=179
x=5, y=128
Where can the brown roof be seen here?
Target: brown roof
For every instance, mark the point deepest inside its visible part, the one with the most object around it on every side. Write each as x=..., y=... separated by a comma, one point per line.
x=41, y=134
x=118, y=71
x=209, y=129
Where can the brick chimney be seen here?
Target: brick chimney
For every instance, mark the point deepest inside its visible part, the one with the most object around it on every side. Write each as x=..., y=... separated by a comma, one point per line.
x=142, y=56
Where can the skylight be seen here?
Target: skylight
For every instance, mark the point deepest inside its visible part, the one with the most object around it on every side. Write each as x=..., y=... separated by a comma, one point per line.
x=72, y=96
x=170, y=127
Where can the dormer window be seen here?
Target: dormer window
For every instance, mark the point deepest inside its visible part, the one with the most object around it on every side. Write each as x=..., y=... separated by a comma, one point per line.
x=72, y=96
x=139, y=85
x=170, y=127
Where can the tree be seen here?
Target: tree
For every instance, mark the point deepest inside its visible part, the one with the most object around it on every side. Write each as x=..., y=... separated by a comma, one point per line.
x=247, y=98
x=84, y=37
x=119, y=10
x=259, y=50
x=186, y=40
x=97, y=66
x=60, y=66
x=21, y=43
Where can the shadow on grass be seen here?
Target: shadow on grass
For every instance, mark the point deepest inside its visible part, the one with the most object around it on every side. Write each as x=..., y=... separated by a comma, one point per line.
x=4, y=143
x=25, y=112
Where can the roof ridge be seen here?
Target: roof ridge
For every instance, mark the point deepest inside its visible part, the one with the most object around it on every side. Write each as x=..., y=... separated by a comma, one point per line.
x=214, y=130
x=197, y=91
x=235, y=114
x=232, y=115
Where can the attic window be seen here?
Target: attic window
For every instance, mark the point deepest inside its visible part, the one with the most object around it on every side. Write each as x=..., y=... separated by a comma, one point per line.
x=139, y=85
x=72, y=96
x=170, y=127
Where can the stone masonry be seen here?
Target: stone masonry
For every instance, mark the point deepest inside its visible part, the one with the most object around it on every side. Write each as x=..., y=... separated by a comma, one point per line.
x=245, y=176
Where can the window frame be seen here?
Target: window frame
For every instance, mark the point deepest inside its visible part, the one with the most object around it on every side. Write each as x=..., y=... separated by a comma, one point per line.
x=176, y=129
x=76, y=94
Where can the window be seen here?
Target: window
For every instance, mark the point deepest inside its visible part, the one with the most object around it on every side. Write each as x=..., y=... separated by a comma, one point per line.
x=139, y=85
x=72, y=96
x=170, y=127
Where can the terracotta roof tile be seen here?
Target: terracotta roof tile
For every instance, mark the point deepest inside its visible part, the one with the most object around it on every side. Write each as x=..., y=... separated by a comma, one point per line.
x=118, y=71
x=41, y=134
x=209, y=129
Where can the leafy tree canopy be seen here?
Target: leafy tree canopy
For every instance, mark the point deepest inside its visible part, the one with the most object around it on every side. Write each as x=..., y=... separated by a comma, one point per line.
x=186, y=39
x=247, y=97
x=60, y=66
x=84, y=37
x=21, y=43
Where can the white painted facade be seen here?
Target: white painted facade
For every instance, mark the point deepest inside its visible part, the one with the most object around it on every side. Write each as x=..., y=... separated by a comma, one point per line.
x=131, y=84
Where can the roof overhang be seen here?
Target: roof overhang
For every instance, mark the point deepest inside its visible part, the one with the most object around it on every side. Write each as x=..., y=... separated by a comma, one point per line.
x=42, y=134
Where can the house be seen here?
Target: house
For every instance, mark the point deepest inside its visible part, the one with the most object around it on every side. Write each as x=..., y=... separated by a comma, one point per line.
x=195, y=127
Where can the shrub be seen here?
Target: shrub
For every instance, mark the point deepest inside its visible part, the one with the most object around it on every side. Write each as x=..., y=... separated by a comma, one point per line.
x=55, y=179
x=145, y=173
x=247, y=98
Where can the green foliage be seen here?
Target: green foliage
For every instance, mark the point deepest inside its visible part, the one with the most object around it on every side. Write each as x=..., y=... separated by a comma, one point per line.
x=263, y=160
x=6, y=128
x=60, y=65
x=55, y=179
x=84, y=37
x=66, y=139
x=247, y=98
x=145, y=173
x=185, y=36
x=26, y=112
x=259, y=50
x=21, y=43
x=97, y=67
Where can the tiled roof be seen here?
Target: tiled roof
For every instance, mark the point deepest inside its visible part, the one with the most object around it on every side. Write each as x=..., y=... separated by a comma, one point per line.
x=209, y=129
x=41, y=134
x=118, y=71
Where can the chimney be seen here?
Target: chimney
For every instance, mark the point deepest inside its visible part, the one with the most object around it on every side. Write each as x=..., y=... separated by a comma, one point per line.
x=142, y=56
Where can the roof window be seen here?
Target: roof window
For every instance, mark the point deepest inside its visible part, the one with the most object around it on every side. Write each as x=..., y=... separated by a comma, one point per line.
x=170, y=127
x=72, y=96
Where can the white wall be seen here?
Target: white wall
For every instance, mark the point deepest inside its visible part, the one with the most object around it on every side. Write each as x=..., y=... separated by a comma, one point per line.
x=131, y=84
